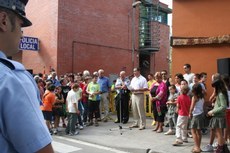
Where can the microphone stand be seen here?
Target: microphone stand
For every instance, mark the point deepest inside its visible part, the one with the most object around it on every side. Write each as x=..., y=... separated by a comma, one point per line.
x=120, y=127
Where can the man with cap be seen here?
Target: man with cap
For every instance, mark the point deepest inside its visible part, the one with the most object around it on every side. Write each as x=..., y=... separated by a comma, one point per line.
x=22, y=127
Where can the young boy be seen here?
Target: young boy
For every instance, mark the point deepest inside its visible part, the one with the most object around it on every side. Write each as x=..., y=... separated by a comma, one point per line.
x=183, y=106
x=93, y=89
x=72, y=100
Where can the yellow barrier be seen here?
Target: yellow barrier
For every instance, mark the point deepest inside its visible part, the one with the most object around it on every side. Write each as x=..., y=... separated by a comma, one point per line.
x=147, y=103
x=112, y=107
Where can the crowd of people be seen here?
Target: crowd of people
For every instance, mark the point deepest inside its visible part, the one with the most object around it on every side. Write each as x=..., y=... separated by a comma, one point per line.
x=179, y=103
x=188, y=110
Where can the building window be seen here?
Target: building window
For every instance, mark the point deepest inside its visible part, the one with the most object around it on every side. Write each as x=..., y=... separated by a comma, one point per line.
x=149, y=28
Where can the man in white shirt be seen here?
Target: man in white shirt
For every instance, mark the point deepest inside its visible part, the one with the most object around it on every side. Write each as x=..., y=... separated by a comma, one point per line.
x=188, y=76
x=138, y=86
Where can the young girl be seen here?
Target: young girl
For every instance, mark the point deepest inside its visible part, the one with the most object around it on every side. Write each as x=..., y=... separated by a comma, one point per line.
x=178, y=78
x=183, y=105
x=196, y=113
x=226, y=80
x=218, y=121
x=58, y=108
x=171, y=104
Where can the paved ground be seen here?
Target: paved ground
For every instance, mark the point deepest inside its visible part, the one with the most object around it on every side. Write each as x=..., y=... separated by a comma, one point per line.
x=134, y=141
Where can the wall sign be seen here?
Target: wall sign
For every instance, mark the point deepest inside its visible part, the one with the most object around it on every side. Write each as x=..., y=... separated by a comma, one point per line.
x=29, y=43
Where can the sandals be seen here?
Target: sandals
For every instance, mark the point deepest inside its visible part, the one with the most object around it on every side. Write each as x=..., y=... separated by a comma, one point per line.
x=196, y=151
x=159, y=131
x=156, y=128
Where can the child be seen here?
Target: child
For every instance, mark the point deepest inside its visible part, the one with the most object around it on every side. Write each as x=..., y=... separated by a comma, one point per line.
x=48, y=100
x=171, y=104
x=218, y=120
x=196, y=113
x=58, y=108
x=72, y=100
x=183, y=105
x=93, y=89
x=226, y=80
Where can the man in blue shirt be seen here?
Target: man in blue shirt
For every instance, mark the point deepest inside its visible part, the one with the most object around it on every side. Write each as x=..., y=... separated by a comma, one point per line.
x=104, y=89
x=22, y=127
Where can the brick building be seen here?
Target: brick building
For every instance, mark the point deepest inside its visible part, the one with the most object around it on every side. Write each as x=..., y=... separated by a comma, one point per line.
x=76, y=35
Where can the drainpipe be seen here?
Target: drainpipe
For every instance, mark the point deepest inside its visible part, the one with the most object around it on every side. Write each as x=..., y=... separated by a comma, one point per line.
x=73, y=42
x=134, y=4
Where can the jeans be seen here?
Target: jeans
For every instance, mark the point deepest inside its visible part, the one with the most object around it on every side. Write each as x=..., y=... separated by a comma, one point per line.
x=72, y=120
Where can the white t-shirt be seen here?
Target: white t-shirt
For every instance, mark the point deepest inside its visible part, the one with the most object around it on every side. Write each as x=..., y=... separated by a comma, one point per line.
x=198, y=109
x=138, y=83
x=189, y=77
x=72, y=98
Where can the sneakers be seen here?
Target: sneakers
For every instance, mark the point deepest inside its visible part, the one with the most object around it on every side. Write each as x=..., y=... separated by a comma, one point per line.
x=169, y=132
x=142, y=128
x=72, y=134
x=55, y=131
x=208, y=148
x=214, y=145
x=81, y=127
x=177, y=143
x=189, y=134
x=133, y=126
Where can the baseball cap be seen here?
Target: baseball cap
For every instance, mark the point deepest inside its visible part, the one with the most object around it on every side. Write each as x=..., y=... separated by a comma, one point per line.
x=18, y=7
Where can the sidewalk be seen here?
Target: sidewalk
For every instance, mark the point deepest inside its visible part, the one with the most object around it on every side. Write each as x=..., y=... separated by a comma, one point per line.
x=135, y=140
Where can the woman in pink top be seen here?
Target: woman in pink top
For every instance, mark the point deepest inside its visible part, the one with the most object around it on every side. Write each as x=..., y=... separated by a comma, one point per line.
x=158, y=95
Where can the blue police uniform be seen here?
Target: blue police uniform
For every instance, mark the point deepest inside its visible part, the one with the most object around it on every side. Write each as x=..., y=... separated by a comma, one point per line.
x=22, y=127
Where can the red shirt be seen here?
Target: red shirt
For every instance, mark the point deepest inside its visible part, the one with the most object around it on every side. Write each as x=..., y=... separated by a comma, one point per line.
x=81, y=84
x=184, y=103
x=84, y=97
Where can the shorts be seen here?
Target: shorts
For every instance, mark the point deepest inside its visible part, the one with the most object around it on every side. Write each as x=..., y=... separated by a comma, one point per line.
x=58, y=112
x=47, y=115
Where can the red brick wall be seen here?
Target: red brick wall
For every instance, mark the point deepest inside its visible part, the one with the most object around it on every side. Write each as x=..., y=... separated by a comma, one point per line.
x=43, y=15
x=161, y=57
x=104, y=26
x=78, y=35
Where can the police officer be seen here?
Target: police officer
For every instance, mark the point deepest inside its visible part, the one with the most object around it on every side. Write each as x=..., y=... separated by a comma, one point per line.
x=22, y=127
x=122, y=98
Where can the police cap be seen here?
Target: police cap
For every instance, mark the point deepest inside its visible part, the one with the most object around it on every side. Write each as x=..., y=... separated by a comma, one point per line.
x=18, y=7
